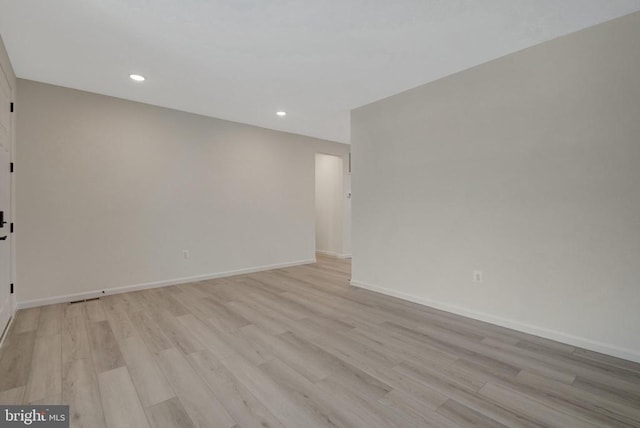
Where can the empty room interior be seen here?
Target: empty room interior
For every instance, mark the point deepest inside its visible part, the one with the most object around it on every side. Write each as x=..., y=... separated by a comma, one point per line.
x=252, y=214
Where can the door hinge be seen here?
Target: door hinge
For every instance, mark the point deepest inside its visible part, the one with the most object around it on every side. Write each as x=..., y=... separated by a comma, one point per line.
x=11, y=288
x=11, y=167
x=11, y=228
x=11, y=107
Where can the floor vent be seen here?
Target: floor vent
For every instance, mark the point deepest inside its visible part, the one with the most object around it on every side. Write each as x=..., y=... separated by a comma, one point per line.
x=84, y=300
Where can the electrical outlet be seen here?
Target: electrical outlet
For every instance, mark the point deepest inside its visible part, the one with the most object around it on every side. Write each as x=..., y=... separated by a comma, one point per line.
x=185, y=254
x=477, y=276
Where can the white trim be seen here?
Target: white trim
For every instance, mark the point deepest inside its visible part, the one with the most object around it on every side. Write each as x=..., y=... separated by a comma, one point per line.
x=333, y=254
x=155, y=284
x=592, y=345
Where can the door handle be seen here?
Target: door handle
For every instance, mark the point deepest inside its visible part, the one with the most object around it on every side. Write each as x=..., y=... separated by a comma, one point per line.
x=3, y=238
x=2, y=222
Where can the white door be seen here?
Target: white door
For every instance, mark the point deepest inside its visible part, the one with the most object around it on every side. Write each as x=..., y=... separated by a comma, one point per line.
x=5, y=201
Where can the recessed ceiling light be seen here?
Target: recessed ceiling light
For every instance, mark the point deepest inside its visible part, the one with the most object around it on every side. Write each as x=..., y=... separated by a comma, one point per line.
x=137, y=77
x=281, y=113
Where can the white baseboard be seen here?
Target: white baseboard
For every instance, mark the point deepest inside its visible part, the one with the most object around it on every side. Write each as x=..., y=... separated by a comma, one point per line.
x=581, y=342
x=155, y=284
x=333, y=254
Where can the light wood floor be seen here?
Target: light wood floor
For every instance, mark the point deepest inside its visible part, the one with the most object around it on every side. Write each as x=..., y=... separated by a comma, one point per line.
x=299, y=347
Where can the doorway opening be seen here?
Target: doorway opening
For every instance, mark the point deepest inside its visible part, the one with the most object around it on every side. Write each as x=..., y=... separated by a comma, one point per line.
x=333, y=207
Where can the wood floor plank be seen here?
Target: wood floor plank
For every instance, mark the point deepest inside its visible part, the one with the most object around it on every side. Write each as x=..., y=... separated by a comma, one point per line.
x=26, y=320
x=150, y=331
x=94, y=311
x=118, y=319
x=45, y=376
x=149, y=381
x=81, y=393
x=339, y=371
x=276, y=303
x=243, y=406
x=195, y=303
x=273, y=395
x=74, y=310
x=122, y=408
x=493, y=409
x=607, y=392
x=224, y=317
x=200, y=403
x=455, y=343
x=255, y=352
x=540, y=413
x=606, y=360
x=403, y=415
x=304, y=393
x=413, y=395
x=55, y=399
x=298, y=347
x=167, y=302
x=267, y=321
x=406, y=347
x=463, y=416
x=169, y=414
x=75, y=339
x=180, y=336
x=50, y=320
x=131, y=302
x=342, y=347
x=302, y=358
x=15, y=361
x=597, y=407
x=104, y=347
x=354, y=409
x=412, y=407
x=12, y=397
x=204, y=334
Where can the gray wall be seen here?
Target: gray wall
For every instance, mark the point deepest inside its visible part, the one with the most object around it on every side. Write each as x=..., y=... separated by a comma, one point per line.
x=527, y=168
x=110, y=192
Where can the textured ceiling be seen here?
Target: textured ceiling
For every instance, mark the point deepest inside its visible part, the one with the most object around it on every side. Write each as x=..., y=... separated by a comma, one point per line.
x=243, y=60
